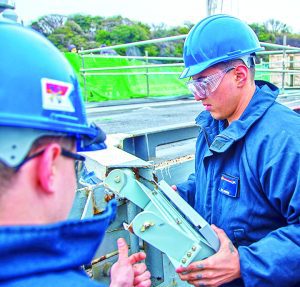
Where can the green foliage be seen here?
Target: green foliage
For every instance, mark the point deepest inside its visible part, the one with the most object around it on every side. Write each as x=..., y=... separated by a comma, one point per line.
x=128, y=34
x=85, y=22
x=152, y=50
x=70, y=33
x=262, y=33
x=86, y=32
x=103, y=36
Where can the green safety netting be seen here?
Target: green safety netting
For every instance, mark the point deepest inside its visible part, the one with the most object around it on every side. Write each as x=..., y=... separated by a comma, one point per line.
x=119, y=87
x=98, y=88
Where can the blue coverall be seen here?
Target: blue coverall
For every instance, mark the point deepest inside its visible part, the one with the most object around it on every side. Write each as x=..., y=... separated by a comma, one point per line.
x=51, y=255
x=247, y=182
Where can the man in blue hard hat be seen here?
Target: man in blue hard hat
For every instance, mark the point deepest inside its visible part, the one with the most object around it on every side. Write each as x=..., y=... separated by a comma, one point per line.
x=42, y=125
x=72, y=48
x=246, y=180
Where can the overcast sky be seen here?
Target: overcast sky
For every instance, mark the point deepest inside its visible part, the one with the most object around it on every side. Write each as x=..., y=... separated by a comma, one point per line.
x=170, y=12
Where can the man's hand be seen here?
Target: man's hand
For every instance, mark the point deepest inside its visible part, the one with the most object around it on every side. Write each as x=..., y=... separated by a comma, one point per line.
x=127, y=272
x=220, y=268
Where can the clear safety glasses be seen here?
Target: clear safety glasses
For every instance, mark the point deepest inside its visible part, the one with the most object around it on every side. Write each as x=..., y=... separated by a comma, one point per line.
x=77, y=157
x=204, y=86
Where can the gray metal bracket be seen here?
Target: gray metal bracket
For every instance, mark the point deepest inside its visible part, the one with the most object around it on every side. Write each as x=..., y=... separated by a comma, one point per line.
x=162, y=224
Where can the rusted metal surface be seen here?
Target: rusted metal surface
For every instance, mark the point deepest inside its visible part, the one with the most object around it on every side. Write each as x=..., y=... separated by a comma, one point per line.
x=179, y=160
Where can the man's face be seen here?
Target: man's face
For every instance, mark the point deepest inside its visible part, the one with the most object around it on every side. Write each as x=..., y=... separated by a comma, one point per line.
x=224, y=101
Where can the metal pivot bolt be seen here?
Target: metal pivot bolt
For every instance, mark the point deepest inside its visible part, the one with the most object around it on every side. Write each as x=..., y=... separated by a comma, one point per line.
x=178, y=221
x=146, y=225
x=117, y=179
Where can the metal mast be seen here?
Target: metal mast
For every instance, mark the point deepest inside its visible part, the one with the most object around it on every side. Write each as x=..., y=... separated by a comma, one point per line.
x=214, y=6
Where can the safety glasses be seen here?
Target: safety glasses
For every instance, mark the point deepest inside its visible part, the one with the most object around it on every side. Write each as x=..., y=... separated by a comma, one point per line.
x=204, y=86
x=64, y=152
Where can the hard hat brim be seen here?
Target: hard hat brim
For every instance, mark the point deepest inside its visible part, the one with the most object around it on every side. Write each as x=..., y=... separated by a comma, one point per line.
x=196, y=69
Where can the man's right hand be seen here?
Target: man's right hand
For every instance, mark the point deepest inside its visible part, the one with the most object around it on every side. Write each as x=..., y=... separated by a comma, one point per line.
x=127, y=272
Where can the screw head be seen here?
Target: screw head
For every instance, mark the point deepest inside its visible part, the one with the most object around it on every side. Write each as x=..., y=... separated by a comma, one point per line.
x=178, y=221
x=146, y=225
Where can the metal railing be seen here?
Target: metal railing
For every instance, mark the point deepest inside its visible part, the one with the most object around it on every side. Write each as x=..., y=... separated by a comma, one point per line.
x=286, y=66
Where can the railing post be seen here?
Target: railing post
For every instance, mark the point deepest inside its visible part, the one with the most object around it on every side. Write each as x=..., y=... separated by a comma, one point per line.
x=84, y=78
x=283, y=63
x=147, y=76
x=292, y=68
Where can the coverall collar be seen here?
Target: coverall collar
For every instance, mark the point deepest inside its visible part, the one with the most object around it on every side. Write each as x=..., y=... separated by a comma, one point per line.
x=38, y=249
x=219, y=137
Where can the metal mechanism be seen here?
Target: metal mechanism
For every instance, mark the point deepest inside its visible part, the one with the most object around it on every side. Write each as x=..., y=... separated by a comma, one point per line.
x=158, y=220
x=163, y=223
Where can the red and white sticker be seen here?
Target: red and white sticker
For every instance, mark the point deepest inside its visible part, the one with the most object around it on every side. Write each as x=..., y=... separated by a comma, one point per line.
x=56, y=95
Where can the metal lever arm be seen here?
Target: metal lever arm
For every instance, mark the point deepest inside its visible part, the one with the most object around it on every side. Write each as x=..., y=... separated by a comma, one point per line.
x=163, y=222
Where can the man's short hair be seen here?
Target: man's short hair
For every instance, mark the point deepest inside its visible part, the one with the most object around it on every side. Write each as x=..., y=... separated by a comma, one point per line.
x=237, y=62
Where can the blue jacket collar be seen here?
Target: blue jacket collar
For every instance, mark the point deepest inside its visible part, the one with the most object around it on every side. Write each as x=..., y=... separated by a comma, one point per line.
x=29, y=250
x=219, y=137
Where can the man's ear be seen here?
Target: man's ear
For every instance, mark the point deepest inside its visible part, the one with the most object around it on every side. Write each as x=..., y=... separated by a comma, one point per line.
x=47, y=167
x=241, y=75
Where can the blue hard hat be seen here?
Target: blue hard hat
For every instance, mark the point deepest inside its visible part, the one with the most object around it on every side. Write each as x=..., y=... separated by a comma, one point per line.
x=71, y=47
x=215, y=39
x=39, y=95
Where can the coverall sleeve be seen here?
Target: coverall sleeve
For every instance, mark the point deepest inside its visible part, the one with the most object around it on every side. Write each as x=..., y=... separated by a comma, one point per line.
x=275, y=259
x=187, y=189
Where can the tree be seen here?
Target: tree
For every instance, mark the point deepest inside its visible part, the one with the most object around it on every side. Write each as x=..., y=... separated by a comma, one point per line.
x=82, y=20
x=276, y=27
x=173, y=48
x=103, y=37
x=262, y=33
x=92, y=31
x=70, y=33
x=110, y=23
x=127, y=34
x=88, y=24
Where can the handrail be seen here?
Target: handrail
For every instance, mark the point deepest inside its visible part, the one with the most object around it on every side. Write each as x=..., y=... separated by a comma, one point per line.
x=133, y=67
x=172, y=38
x=275, y=46
x=285, y=66
x=133, y=57
x=132, y=74
x=278, y=52
x=133, y=44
